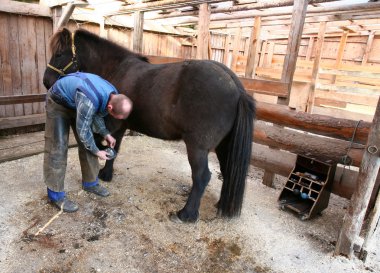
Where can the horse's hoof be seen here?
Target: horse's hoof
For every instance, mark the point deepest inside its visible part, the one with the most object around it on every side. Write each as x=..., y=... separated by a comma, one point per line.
x=176, y=218
x=173, y=216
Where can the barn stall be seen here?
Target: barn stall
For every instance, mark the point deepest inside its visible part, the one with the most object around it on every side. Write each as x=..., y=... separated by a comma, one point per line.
x=314, y=71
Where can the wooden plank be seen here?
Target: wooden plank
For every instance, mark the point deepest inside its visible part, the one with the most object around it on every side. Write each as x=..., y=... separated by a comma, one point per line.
x=203, y=31
x=309, y=49
x=235, y=48
x=253, y=49
x=369, y=168
x=16, y=147
x=264, y=87
x=354, y=74
x=5, y=68
x=14, y=122
x=317, y=60
x=227, y=51
x=368, y=48
x=329, y=102
x=6, y=100
x=268, y=59
x=345, y=97
x=31, y=63
x=15, y=60
x=348, y=89
x=262, y=53
x=339, y=58
x=27, y=64
x=41, y=61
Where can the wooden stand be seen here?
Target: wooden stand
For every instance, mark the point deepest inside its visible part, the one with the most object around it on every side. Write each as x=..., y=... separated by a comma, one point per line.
x=307, y=191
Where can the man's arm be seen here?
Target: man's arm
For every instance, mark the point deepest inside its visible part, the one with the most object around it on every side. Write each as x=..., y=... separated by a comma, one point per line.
x=84, y=120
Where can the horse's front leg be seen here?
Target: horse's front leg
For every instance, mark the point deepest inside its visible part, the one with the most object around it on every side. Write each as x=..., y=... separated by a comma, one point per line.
x=106, y=173
x=201, y=175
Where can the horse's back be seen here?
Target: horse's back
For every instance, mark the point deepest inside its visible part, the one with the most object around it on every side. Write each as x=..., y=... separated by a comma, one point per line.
x=192, y=99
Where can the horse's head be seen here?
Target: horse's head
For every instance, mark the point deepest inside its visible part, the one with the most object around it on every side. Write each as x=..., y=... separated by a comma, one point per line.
x=63, y=60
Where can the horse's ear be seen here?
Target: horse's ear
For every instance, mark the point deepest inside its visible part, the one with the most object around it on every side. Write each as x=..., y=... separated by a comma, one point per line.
x=60, y=40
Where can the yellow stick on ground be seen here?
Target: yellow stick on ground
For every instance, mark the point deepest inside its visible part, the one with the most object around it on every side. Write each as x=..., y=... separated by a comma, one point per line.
x=49, y=222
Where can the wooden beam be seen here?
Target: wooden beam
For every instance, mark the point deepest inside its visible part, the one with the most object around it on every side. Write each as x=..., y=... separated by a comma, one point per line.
x=316, y=124
x=317, y=60
x=14, y=122
x=203, y=31
x=161, y=5
x=25, y=8
x=138, y=30
x=295, y=35
x=253, y=49
x=257, y=6
x=65, y=17
x=369, y=168
x=7, y=100
x=336, y=11
x=302, y=143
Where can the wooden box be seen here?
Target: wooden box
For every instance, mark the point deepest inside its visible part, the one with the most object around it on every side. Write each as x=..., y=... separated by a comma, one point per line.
x=307, y=190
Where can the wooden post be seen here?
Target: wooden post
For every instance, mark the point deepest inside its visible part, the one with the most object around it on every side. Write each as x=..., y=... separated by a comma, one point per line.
x=314, y=73
x=339, y=58
x=294, y=40
x=353, y=219
x=373, y=224
x=235, y=49
x=203, y=31
x=227, y=51
x=138, y=30
x=252, y=52
x=368, y=47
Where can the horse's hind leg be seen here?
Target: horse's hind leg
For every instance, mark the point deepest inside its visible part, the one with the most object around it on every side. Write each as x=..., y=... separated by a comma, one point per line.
x=201, y=175
x=106, y=173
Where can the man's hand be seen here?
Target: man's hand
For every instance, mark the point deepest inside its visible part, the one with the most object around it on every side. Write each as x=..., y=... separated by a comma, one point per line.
x=111, y=141
x=102, y=155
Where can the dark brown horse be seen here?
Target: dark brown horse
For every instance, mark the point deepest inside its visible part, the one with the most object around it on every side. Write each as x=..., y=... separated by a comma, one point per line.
x=201, y=102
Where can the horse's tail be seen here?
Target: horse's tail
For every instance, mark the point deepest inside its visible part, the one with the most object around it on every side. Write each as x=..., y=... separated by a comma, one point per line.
x=238, y=145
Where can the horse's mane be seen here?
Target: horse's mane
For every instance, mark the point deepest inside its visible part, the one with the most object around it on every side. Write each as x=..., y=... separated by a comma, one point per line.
x=107, y=45
x=60, y=41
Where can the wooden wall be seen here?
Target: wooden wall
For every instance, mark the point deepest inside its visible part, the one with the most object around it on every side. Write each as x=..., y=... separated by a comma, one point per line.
x=23, y=53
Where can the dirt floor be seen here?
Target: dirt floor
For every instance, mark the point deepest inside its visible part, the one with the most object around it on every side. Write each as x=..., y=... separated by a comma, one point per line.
x=130, y=231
